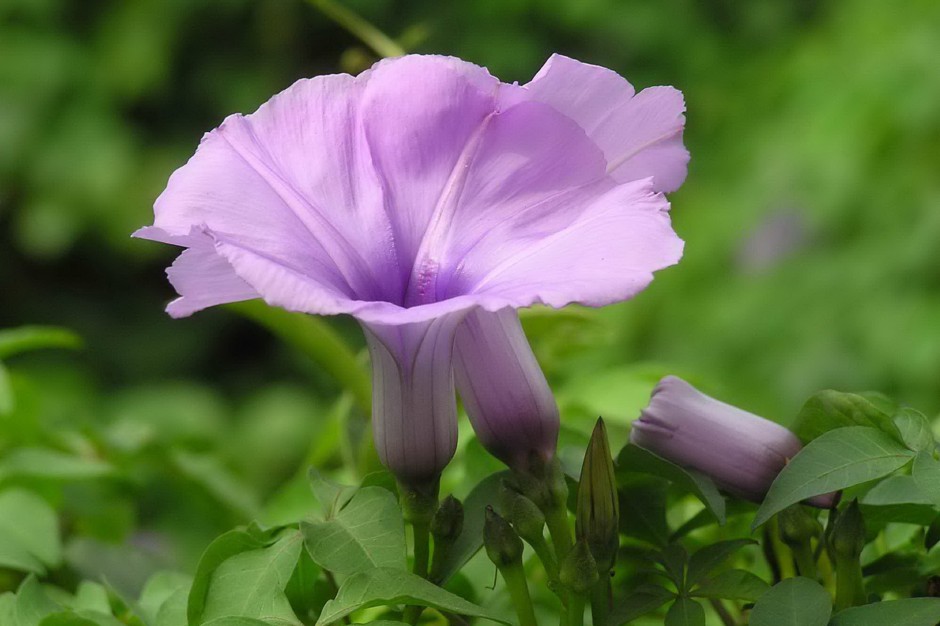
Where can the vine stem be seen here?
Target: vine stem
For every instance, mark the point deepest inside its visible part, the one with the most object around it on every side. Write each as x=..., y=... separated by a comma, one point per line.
x=422, y=548
x=576, y=602
x=557, y=521
x=600, y=601
x=380, y=43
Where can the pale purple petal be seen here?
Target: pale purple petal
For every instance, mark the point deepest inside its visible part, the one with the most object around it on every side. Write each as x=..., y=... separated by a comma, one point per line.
x=640, y=133
x=414, y=418
x=742, y=452
x=503, y=389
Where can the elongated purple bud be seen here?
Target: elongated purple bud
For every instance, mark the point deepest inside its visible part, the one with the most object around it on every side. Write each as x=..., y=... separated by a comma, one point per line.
x=504, y=390
x=741, y=452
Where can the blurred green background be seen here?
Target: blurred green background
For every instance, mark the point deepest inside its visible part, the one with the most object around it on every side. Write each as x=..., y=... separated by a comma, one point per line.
x=811, y=215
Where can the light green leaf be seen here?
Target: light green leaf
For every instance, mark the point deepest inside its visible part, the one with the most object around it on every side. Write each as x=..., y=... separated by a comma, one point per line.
x=158, y=589
x=224, y=547
x=685, y=612
x=634, y=459
x=829, y=410
x=732, y=584
x=251, y=584
x=28, y=525
x=707, y=559
x=907, y=612
x=388, y=587
x=51, y=464
x=331, y=495
x=838, y=459
x=486, y=493
x=247, y=621
x=32, y=603
x=915, y=429
x=27, y=338
x=642, y=601
x=81, y=618
x=173, y=610
x=793, y=602
x=91, y=596
x=926, y=473
x=368, y=532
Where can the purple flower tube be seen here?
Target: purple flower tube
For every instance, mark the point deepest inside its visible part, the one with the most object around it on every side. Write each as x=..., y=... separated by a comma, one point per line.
x=416, y=195
x=741, y=452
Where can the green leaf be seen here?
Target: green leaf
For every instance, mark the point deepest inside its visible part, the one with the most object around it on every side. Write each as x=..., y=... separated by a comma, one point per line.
x=245, y=621
x=7, y=403
x=926, y=473
x=81, y=618
x=91, y=596
x=732, y=584
x=915, y=429
x=642, y=601
x=27, y=338
x=208, y=472
x=224, y=547
x=252, y=583
x=793, y=602
x=685, y=612
x=829, y=410
x=29, y=526
x=706, y=560
x=331, y=495
x=388, y=587
x=645, y=498
x=32, y=603
x=896, y=499
x=634, y=459
x=907, y=612
x=673, y=559
x=173, y=610
x=158, y=589
x=302, y=591
x=368, y=532
x=51, y=464
x=838, y=459
x=485, y=493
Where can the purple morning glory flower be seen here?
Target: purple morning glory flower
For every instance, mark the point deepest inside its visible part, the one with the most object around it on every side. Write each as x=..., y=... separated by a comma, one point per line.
x=504, y=391
x=410, y=196
x=740, y=451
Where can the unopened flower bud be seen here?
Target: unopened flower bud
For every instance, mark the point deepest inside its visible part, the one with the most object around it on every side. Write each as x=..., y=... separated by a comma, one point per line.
x=447, y=523
x=578, y=570
x=598, y=514
x=847, y=537
x=525, y=517
x=503, y=546
x=797, y=526
x=741, y=452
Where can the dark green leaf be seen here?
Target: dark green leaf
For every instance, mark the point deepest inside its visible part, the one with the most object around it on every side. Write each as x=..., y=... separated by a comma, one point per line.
x=828, y=410
x=6, y=391
x=388, y=587
x=908, y=612
x=640, y=602
x=643, y=510
x=685, y=612
x=27, y=338
x=707, y=559
x=838, y=459
x=368, y=532
x=486, y=493
x=633, y=459
x=252, y=583
x=793, y=602
x=732, y=584
x=673, y=559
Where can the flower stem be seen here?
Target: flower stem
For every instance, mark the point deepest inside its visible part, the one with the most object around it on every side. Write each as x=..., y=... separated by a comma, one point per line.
x=519, y=592
x=576, y=602
x=805, y=562
x=850, y=590
x=600, y=601
x=556, y=519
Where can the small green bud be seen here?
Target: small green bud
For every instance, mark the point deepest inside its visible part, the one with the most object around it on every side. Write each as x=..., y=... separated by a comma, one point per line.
x=502, y=544
x=525, y=517
x=447, y=523
x=578, y=570
x=598, y=515
x=797, y=525
x=847, y=537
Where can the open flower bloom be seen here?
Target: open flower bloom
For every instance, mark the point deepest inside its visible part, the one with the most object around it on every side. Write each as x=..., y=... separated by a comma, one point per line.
x=409, y=196
x=503, y=389
x=741, y=452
